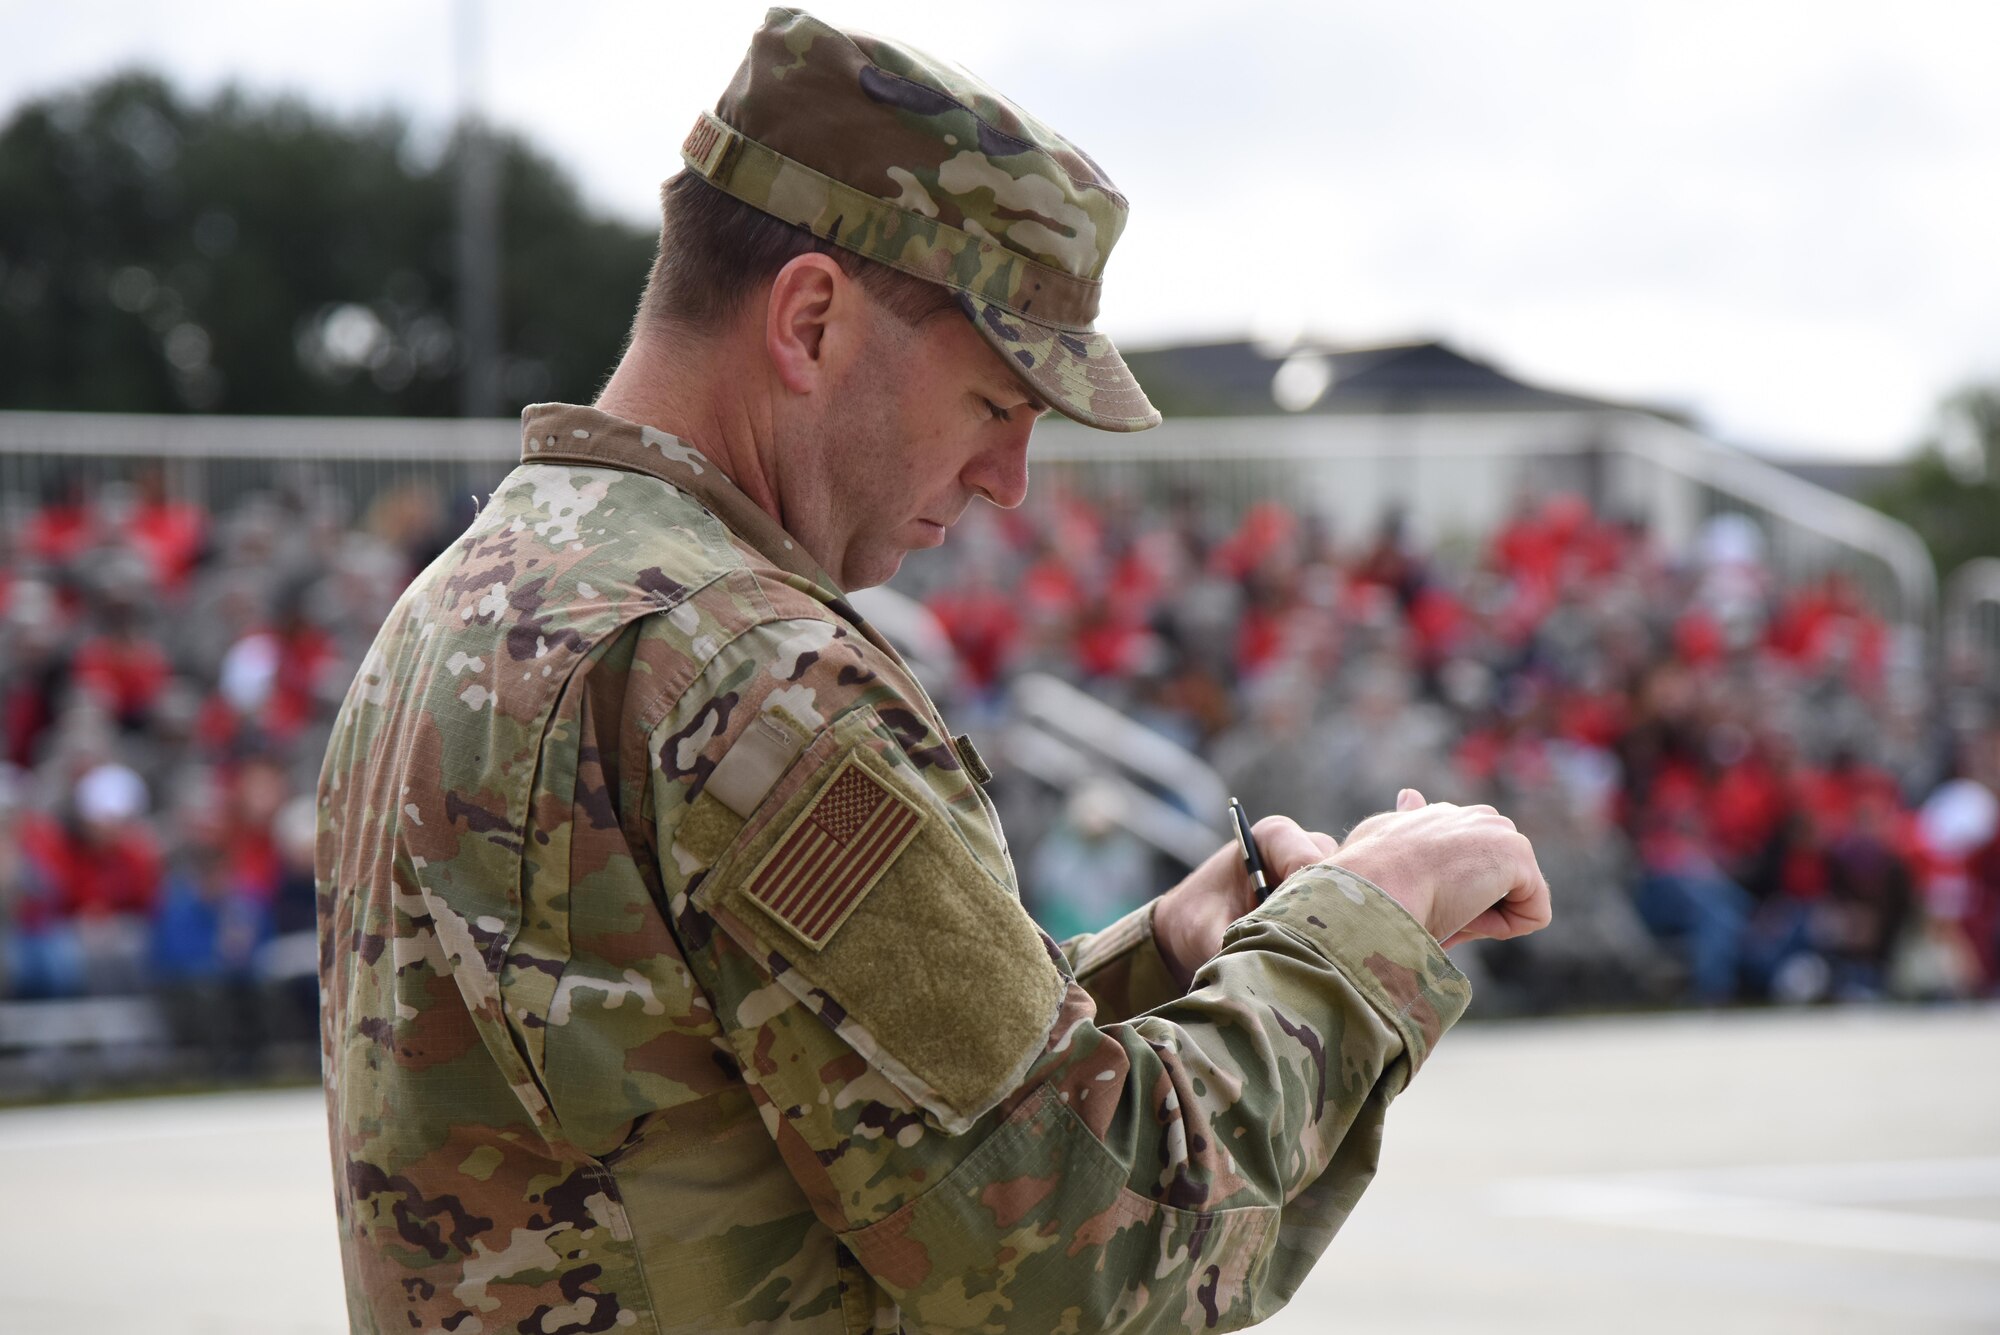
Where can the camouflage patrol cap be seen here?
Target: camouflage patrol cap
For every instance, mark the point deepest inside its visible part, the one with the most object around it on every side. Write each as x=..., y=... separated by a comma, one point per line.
x=916, y=164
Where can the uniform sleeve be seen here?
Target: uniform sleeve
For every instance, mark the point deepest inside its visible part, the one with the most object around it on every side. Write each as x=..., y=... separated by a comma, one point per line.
x=994, y=1149
x=1122, y=967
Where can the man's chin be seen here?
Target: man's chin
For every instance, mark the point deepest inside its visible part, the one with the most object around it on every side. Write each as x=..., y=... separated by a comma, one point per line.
x=876, y=568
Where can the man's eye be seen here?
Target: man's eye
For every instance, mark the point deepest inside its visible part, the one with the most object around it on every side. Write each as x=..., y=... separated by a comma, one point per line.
x=996, y=410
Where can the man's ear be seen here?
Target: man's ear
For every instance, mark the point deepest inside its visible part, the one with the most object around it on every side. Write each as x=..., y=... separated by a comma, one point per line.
x=807, y=319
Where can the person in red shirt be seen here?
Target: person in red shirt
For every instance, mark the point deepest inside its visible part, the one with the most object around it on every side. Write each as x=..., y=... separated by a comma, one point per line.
x=1747, y=802
x=983, y=623
x=170, y=534
x=95, y=875
x=1108, y=642
x=63, y=527
x=1260, y=630
x=121, y=667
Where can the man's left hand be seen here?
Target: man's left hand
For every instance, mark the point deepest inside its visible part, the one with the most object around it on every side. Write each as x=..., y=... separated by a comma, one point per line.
x=1188, y=920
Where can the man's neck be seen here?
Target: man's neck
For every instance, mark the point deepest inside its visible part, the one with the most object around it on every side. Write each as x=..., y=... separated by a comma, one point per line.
x=706, y=397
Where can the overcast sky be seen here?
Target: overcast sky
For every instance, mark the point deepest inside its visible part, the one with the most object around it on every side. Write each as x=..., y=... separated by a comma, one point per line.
x=1778, y=215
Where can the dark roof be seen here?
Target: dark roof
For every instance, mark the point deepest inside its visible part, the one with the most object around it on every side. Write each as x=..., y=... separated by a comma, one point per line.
x=1236, y=378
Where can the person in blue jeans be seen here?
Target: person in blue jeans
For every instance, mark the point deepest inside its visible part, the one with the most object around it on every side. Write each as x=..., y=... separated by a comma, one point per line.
x=205, y=941
x=1686, y=895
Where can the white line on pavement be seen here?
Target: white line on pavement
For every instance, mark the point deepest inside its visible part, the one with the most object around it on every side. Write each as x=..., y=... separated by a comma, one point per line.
x=1808, y=1204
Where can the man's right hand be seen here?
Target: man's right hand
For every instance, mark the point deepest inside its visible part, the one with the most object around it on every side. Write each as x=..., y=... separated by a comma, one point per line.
x=1463, y=872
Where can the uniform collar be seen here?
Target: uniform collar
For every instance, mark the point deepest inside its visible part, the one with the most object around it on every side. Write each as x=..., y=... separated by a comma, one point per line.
x=568, y=433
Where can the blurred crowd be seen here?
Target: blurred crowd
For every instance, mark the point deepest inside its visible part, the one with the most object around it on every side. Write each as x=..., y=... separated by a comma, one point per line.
x=168, y=677
x=1739, y=791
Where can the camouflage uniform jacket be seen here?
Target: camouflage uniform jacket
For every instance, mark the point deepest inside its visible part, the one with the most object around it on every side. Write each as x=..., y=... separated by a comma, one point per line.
x=675, y=977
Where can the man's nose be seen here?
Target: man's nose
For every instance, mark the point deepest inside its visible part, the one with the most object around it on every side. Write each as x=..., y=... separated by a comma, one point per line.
x=1000, y=471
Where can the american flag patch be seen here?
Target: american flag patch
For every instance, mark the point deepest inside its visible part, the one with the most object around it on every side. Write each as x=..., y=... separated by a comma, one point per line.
x=834, y=853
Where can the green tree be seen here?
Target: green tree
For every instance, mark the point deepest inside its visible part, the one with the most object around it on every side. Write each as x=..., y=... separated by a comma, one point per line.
x=252, y=255
x=1950, y=492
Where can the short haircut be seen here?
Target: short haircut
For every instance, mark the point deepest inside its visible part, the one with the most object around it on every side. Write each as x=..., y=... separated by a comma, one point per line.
x=715, y=250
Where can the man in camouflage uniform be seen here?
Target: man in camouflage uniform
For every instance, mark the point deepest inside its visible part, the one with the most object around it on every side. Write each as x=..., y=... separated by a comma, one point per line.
x=675, y=975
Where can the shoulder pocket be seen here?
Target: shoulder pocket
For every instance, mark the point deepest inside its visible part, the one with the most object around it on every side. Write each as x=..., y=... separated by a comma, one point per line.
x=851, y=881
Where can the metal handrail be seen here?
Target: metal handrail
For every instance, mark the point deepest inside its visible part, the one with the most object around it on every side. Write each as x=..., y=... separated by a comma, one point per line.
x=1062, y=736
x=1041, y=754
x=1096, y=739
x=1817, y=509
x=1972, y=586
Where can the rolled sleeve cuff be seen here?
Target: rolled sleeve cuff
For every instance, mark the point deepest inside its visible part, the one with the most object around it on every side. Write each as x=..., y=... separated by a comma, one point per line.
x=1122, y=967
x=1378, y=947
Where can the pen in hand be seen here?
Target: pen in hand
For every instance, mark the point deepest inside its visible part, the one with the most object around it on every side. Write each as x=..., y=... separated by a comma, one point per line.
x=1253, y=863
